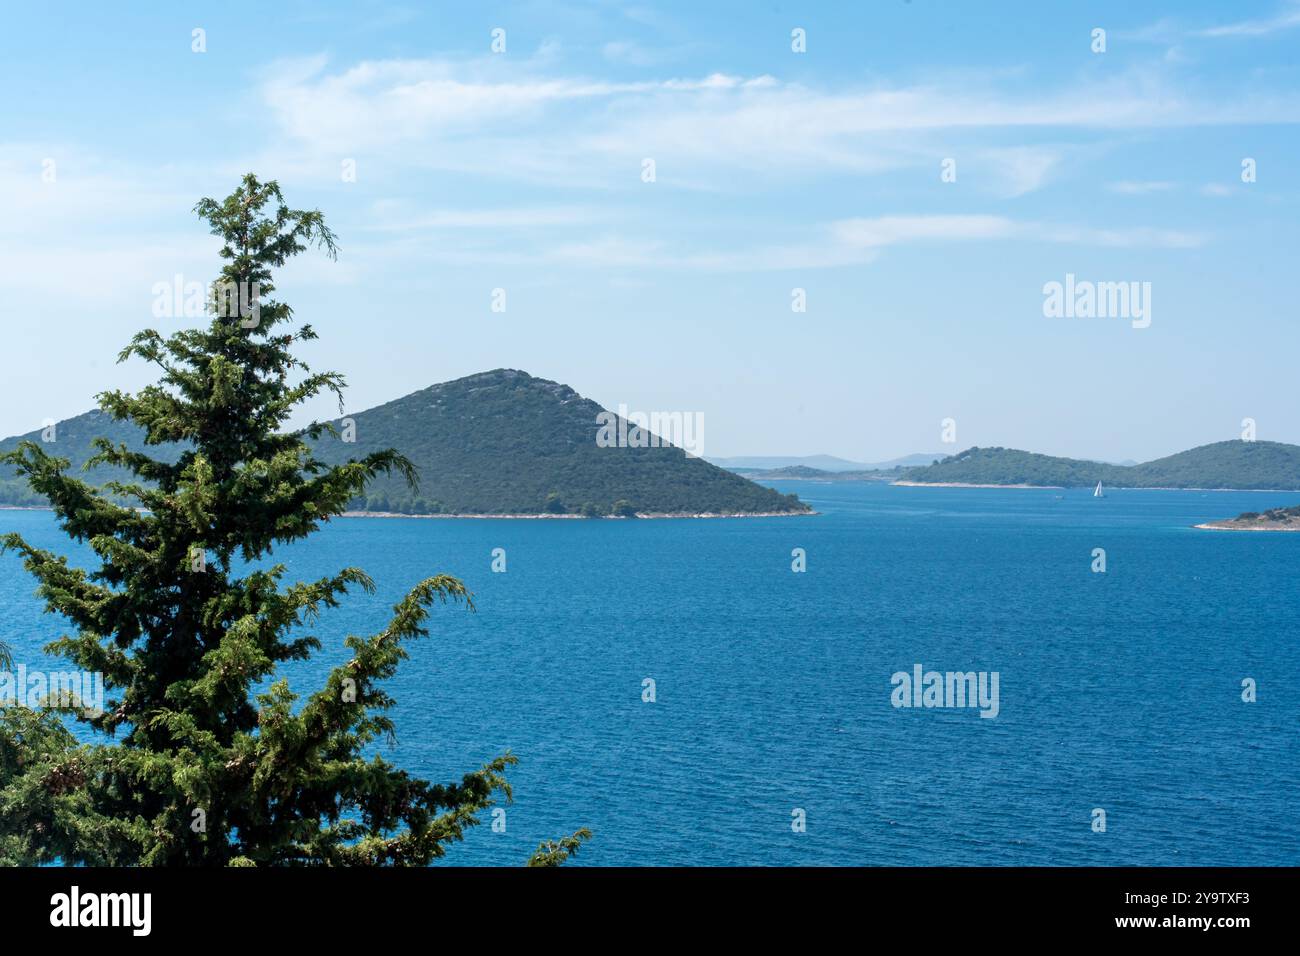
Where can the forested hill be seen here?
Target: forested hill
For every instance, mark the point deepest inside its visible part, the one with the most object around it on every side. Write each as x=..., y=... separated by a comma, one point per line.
x=504, y=442
x=1226, y=464
x=72, y=439
x=500, y=442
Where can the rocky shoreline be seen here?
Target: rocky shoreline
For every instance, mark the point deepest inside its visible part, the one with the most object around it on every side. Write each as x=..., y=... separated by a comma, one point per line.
x=1275, y=519
x=1235, y=525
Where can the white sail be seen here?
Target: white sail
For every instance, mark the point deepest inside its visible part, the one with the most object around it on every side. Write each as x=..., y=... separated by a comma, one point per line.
x=1097, y=493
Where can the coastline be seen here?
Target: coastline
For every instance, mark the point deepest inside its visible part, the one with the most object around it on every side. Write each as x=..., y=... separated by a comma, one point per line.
x=537, y=517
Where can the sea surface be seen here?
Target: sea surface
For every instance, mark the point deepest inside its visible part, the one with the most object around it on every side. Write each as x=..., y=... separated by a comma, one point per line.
x=1119, y=691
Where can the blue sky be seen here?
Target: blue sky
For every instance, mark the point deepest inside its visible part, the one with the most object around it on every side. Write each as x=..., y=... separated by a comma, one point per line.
x=774, y=170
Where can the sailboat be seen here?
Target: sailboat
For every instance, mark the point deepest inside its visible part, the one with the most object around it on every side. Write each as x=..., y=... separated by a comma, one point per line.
x=1098, y=493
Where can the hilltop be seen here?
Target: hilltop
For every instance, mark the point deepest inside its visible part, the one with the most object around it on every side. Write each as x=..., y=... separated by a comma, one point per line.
x=505, y=442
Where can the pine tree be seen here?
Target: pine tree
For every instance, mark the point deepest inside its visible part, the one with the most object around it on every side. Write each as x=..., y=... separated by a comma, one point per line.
x=183, y=616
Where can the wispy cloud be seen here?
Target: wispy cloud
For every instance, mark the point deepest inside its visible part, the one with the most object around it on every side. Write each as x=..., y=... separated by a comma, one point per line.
x=1018, y=170
x=522, y=120
x=844, y=242
x=1286, y=19
x=1172, y=31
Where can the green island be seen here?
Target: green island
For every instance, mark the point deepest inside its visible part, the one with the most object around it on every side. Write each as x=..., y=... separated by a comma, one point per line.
x=1237, y=465
x=497, y=443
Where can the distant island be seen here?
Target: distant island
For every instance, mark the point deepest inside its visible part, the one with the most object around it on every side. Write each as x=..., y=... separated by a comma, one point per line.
x=1226, y=465
x=756, y=464
x=1275, y=519
x=499, y=443
x=818, y=474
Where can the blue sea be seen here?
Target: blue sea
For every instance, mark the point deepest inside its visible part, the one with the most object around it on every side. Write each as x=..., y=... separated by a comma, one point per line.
x=1119, y=691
